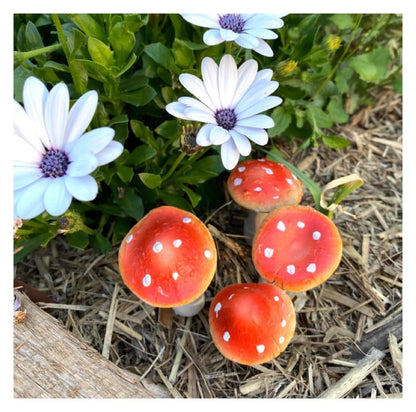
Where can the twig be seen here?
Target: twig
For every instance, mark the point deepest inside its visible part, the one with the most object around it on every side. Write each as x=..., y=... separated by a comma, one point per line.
x=110, y=323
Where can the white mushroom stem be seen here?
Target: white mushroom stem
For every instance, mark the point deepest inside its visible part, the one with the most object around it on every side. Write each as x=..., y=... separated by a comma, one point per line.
x=192, y=308
x=252, y=224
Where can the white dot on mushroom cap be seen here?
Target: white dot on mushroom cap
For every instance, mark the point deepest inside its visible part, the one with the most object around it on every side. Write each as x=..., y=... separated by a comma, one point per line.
x=276, y=298
x=301, y=225
x=207, y=254
x=281, y=226
x=283, y=324
x=268, y=252
x=276, y=197
x=231, y=296
x=157, y=247
x=260, y=348
x=217, y=308
x=261, y=160
x=290, y=181
x=175, y=275
x=226, y=336
x=129, y=238
x=311, y=268
x=238, y=181
x=268, y=171
x=316, y=235
x=294, y=177
x=186, y=220
x=257, y=189
x=177, y=242
x=281, y=339
x=147, y=280
x=241, y=169
x=290, y=269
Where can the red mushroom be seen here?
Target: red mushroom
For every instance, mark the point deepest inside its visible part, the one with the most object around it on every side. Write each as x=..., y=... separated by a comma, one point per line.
x=261, y=186
x=297, y=248
x=251, y=323
x=168, y=258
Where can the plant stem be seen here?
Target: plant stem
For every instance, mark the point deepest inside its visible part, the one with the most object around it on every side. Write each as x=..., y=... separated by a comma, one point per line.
x=174, y=166
x=61, y=35
x=21, y=56
x=228, y=47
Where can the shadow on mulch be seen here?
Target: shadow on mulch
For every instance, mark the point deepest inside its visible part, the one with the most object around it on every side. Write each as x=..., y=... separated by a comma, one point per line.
x=358, y=308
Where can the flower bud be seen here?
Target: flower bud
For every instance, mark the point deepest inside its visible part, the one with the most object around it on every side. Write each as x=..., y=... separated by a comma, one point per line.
x=332, y=42
x=286, y=67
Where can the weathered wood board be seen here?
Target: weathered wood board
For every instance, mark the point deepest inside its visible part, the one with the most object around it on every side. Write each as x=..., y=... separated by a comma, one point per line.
x=49, y=362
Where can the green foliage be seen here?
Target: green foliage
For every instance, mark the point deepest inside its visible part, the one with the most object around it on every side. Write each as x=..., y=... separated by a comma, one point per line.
x=133, y=61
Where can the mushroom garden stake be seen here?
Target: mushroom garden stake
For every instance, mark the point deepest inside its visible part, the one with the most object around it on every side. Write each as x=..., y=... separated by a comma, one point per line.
x=251, y=323
x=261, y=186
x=297, y=248
x=168, y=260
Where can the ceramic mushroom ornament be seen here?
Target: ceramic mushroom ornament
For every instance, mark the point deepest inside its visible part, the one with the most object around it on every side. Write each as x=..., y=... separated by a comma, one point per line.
x=261, y=185
x=251, y=323
x=168, y=260
x=297, y=248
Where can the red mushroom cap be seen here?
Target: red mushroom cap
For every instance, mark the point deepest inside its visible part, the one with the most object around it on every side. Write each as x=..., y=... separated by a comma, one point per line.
x=264, y=185
x=297, y=248
x=251, y=323
x=168, y=258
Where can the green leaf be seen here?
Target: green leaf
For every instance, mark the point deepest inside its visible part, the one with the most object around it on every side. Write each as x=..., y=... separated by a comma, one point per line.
x=100, y=52
x=161, y=55
x=151, y=180
x=342, y=79
x=184, y=56
x=144, y=133
x=336, y=110
x=318, y=117
x=141, y=154
x=100, y=243
x=125, y=173
x=373, y=66
x=33, y=40
x=78, y=239
x=193, y=197
x=281, y=119
x=131, y=204
x=122, y=41
x=343, y=21
x=90, y=26
x=138, y=97
x=168, y=129
x=335, y=142
x=33, y=243
x=344, y=190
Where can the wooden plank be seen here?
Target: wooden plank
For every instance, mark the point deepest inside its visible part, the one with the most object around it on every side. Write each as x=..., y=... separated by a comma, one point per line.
x=50, y=362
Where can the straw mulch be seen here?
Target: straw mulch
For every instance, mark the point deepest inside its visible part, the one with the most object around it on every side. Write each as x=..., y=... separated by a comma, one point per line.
x=357, y=309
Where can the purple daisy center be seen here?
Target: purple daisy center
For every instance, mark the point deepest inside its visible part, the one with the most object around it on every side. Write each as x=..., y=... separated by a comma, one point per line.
x=232, y=22
x=226, y=118
x=54, y=163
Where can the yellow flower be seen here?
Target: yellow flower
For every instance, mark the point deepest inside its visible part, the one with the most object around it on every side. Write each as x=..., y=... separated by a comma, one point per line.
x=332, y=42
x=286, y=67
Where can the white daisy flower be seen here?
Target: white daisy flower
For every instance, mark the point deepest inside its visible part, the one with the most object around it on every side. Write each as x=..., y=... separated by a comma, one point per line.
x=53, y=157
x=229, y=100
x=247, y=30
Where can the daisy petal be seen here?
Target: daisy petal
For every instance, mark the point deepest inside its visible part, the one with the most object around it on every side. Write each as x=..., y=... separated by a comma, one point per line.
x=57, y=198
x=34, y=97
x=229, y=154
x=176, y=109
x=24, y=152
x=192, y=102
x=218, y=135
x=80, y=115
x=261, y=106
x=262, y=33
x=265, y=74
x=212, y=37
x=199, y=115
x=30, y=203
x=56, y=114
x=25, y=175
x=202, y=137
x=264, y=49
x=268, y=21
x=83, y=188
x=256, y=135
x=203, y=20
x=228, y=35
x=197, y=88
x=247, y=41
x=81, y=165
x=255, y=94
x=109, y=153
x=24, y=127
x=246, y=75
x=259, y=120
x=92, y=142
x=227, y=79
x=209, y=71
x=242, y=143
